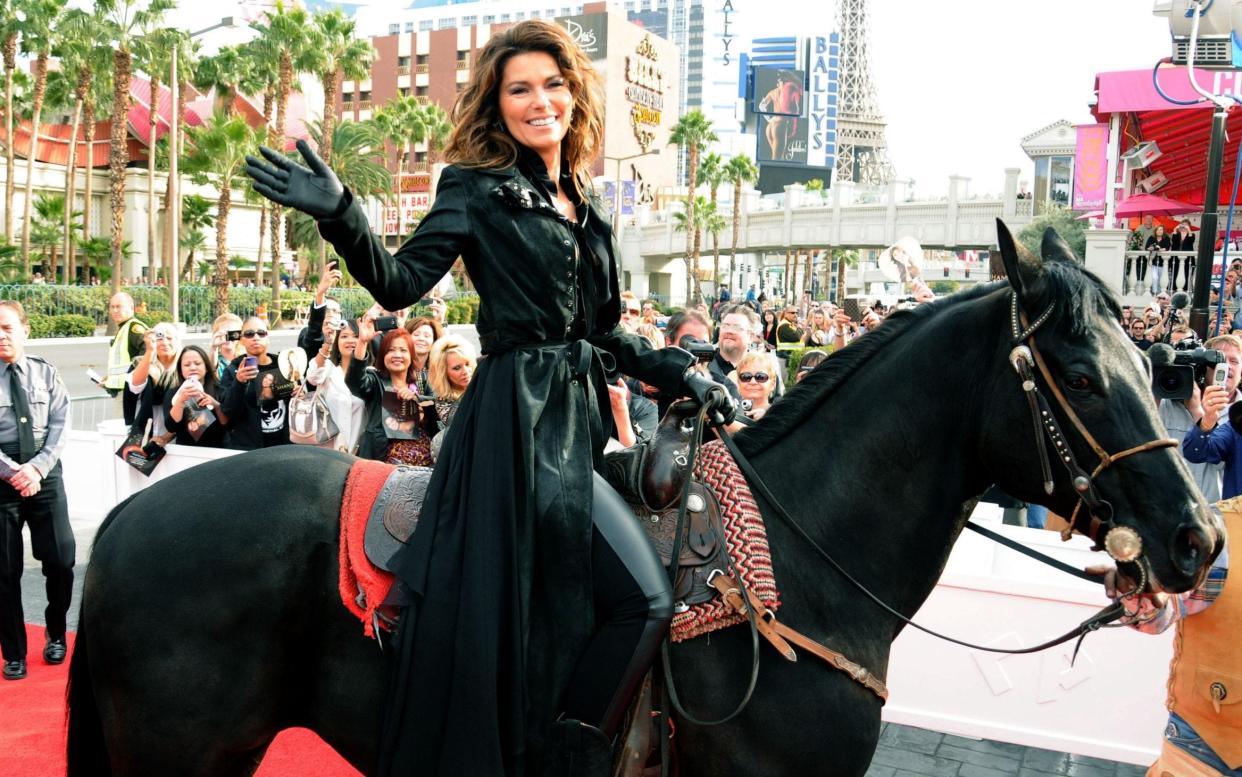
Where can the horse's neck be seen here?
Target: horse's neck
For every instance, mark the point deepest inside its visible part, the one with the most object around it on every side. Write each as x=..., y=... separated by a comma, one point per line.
x=894, y=459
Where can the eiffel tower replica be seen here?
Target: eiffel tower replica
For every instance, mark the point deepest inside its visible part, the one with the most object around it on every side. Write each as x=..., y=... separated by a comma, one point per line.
x=862, y=151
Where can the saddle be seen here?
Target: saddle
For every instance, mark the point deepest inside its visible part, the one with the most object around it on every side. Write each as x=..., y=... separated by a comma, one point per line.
x=650, y=477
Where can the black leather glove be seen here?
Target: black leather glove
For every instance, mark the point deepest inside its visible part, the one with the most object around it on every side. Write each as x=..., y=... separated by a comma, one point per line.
x=710, y=395
x=315, y=190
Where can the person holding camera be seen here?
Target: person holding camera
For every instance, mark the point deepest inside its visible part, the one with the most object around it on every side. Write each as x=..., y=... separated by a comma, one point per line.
x=153, y=373
x=254, y=393
x=540, y=603
x=1214, y=439
x=225, y=336
x=755, y=378
x=193, y=411
x=1181, y=416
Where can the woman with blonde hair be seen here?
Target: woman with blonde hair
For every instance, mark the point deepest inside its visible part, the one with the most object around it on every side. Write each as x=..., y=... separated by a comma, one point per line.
x=539, y=604
x=756, y=377
x=452, y=365
x=153, y=373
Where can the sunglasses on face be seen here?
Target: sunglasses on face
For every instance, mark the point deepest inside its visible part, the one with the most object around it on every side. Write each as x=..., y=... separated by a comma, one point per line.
x=249, y=333
x=758, y=377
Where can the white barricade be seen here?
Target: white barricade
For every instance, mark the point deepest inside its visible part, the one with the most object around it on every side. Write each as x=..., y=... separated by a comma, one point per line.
x=1109, y=704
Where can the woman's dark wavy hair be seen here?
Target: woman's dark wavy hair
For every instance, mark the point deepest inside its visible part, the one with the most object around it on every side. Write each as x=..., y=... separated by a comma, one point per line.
x=210, y=385
x=479, y=138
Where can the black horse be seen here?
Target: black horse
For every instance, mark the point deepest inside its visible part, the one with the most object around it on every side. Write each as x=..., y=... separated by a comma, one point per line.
x=211, y=620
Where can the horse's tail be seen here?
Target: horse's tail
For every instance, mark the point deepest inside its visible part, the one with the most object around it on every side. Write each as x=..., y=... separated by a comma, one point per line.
x=85, y=750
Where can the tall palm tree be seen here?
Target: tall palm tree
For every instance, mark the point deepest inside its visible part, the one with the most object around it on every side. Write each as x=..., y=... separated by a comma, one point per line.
x=437, y=126
x=844, y=258
x=124, y=19
x=187, y=58
x=290, y=31
x=740, y=170
x=338, y=54
x=223, y=73
x=154, y=55
x=713, y=224
x=49, y=213
x=692, y=132
x=218, y=150
x=195, y=217
x=10, y=29
x=711, y=172
x=693, y=220
x=97, y=102
x=78, y=48
x=39, y=31
x=261, y=74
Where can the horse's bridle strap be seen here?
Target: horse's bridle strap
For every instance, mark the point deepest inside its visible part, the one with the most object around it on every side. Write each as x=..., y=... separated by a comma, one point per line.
x=780, y=635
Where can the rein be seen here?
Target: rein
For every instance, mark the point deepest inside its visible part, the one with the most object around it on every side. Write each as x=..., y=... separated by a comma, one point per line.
x=1121, y=542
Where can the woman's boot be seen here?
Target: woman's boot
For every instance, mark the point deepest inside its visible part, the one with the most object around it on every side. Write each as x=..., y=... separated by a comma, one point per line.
x=575, y=749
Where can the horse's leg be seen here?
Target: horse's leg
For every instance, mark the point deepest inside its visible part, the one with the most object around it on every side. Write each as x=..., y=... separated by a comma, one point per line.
x=804, y=718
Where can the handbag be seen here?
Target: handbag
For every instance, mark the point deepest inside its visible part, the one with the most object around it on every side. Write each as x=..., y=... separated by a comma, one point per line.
x=140, y=451
x=310, y=421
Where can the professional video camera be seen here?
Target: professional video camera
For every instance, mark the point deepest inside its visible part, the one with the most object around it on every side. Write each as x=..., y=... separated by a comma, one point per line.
x=1174, y=372
x=702, y=351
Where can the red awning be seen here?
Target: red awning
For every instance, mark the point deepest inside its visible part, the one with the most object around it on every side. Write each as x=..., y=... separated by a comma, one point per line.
x=1182, y=132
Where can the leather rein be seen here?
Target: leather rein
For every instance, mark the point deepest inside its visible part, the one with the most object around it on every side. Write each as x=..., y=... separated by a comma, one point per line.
x=1122, y=543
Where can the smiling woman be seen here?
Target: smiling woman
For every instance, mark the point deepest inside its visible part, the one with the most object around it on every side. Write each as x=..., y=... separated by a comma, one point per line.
x=540, y=604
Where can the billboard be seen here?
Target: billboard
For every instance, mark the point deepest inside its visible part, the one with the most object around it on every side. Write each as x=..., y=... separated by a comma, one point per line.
x=823, y=61
x=782, y=140
x=414, y=205
x=590, y=32
x=780, y=91
x=1091, y=167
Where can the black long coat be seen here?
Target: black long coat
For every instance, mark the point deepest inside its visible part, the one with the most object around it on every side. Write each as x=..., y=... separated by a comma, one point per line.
x=500, y=563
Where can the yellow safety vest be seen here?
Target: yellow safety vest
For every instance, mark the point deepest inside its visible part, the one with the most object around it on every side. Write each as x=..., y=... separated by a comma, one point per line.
x=119, y=357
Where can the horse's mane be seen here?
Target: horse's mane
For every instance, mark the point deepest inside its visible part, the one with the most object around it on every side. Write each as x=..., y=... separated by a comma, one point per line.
x=1071, y=288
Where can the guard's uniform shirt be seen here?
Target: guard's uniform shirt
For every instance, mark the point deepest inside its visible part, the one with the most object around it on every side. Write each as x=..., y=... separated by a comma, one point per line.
x=46, y=512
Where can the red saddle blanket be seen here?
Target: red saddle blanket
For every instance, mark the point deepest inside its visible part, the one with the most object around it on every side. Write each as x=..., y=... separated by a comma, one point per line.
x=746, y=539
x=364, y=586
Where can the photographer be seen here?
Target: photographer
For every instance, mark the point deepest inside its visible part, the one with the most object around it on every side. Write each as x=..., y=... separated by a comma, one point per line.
x=1180, y=417
x=249, y=396
x=1212, y=440
x=321, y=324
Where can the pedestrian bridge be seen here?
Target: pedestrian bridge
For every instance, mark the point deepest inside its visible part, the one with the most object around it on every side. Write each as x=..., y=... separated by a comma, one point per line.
x=842, y=217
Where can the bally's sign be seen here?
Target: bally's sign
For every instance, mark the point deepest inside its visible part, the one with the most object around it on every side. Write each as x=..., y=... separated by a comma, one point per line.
x=823, y=76
x=645, y=92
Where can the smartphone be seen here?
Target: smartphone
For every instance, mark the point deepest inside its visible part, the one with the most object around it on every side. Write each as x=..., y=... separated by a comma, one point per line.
x=250, y=361
x=233, y=334
x=385, y=323
x=95, y=377
x=1220, y=374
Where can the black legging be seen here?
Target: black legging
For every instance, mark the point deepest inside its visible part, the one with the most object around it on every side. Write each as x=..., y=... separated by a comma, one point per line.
x=633, y=607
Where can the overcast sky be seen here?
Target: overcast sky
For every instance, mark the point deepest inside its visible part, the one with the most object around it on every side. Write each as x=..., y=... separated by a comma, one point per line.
x=960, y=82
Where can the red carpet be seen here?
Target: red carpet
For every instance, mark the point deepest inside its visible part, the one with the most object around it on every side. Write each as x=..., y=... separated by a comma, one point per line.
x=32, y=728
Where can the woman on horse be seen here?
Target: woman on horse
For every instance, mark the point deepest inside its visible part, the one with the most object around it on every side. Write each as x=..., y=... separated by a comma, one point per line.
x=537, y=605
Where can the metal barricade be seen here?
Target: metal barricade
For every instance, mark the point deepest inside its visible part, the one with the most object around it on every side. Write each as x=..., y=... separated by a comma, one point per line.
x=86, y=413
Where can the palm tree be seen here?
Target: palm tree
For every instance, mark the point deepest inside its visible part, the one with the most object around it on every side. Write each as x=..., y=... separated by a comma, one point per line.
x=124, y=18
x=714, y=223
x=39, y=29
x=49, y=215
x=218, y=149
x=223, y=74
x=338, y=54
x=195, y=217
x=187, y=58
x=740, y=170
x=76, y=49
x=844, y=258
x=692, y=132
x=693, y=220
x=289, y=32
x=437, y=126
x=711, y=172
x=154, y=51
x=10, y=28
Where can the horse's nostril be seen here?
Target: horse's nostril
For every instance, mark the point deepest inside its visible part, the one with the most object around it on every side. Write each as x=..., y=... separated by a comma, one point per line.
x=1191, y=547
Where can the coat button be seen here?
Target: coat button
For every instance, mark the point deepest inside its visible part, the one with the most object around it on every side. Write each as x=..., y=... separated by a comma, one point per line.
x=566, y=242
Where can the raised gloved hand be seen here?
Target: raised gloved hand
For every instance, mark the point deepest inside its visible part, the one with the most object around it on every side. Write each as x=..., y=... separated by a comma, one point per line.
x=315, y=190
x=710, y=395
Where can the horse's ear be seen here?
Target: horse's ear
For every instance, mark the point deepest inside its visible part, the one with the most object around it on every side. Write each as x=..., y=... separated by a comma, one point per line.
x=1023, y=269
x=1053, y=248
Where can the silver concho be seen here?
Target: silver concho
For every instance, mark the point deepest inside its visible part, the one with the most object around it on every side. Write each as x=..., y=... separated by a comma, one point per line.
x=1123, y=543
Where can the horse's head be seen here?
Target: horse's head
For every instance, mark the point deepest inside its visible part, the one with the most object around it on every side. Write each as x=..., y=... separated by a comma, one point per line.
x=1092, y=419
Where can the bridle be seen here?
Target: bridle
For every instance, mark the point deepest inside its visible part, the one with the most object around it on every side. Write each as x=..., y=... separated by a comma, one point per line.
x=1123, y=543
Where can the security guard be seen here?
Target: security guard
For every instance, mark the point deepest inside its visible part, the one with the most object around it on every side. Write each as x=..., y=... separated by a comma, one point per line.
x=34, y=414
x=127, y=343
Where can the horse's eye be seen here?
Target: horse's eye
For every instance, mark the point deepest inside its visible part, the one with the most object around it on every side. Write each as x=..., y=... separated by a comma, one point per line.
x=1077, y=382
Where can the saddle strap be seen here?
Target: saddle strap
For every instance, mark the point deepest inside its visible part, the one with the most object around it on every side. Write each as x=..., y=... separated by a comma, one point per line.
x=781, y=635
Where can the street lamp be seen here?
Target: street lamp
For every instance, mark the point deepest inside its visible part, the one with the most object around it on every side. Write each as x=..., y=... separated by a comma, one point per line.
x=174, y=187
x=616, y=206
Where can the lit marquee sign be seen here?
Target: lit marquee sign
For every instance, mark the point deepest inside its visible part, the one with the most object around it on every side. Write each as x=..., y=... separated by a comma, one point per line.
x=645, y=92
x=823, y=75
